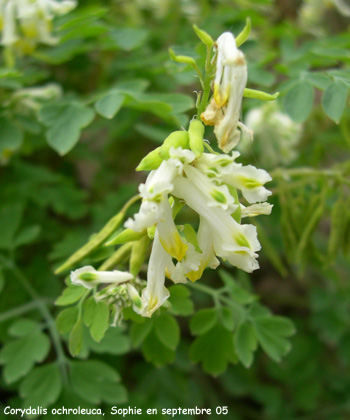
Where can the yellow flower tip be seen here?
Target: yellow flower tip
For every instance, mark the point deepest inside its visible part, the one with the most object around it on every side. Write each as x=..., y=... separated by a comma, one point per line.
x=193, y=276
x=176, y=248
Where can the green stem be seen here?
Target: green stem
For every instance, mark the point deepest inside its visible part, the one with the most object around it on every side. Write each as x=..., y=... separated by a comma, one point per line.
x=216, y=295
x=42, y=307
x=206, y=88
x=311, y=172
x=22, y=309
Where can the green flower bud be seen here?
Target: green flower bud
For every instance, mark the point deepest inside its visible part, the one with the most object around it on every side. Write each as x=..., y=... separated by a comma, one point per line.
x=128, y=235
x=181, y=58
x=138, y=254
x=151, y=161
x=196, y=133
x=243, y=36
x=175, y=139
x=203, y=36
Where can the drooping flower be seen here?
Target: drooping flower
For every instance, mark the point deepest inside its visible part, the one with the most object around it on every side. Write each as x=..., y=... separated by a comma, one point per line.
x=155, y=293
x=232, y=241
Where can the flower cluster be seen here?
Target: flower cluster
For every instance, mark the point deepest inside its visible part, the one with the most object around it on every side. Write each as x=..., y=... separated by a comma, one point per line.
x=210, y=184
x=26, y=23
x=276, y=133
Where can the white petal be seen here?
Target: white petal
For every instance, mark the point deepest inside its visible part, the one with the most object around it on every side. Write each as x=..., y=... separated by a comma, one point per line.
x=155, y=293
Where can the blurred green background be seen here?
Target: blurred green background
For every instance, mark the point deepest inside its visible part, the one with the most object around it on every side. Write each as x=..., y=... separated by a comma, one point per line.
x=59, y=187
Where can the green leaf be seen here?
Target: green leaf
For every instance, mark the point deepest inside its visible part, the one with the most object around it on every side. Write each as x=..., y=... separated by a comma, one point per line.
x=334, y=99
x=76, y=338
x=2, y=281
x=214, y=350
x=203, y=321
x=42, y=386
x=155, y=351
x=298, y=101
x=139, y=332
x=66, y=320
x=318, y=80
x=114, y=342
x=23, y=327
x=11, y=136
x=19, y=356
x=10, y=219
x=226, y=316
x=96, y=381
x=245, y=343
x=128, y=39
x=271, y=332
x=65, y=122
x=70, y=295
x=181, y=304
x=27, y=235
x=96, y=316
x=167, y=331
x=110, y=104
x=239, y=294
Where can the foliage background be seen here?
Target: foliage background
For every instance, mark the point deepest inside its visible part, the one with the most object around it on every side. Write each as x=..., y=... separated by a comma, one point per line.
x=58, y=186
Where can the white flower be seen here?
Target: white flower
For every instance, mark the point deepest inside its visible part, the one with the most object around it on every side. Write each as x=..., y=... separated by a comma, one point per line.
x=8, y=18
x=248, y=179
x=134, y=297
x=256, y=209
x=153, y=193
x=190, y=264
x=218, y=195
x=89, y=277
x=207, y=257
x=230, y=80
x=168, y=234
x=31, y=20
x=277, y=135
x=155, y=293
x=232, y=241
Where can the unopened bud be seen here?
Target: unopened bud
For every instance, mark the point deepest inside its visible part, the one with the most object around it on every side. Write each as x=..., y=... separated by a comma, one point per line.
x=203, y=36
x=181, y=58
x=128, y=235
x=196, y=133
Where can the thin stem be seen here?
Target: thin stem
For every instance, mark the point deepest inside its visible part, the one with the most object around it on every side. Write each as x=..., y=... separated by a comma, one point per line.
x=130, y=202
x=216, y=295
x=22, y=309
x=42, y=307
x=282, y=173
x=206, y=89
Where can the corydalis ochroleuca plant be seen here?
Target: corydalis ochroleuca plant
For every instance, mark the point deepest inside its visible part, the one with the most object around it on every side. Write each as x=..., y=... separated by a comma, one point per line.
x=181, y=174
x=26, y=23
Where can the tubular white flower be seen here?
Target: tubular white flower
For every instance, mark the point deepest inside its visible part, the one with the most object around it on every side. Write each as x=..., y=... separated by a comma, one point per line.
x=237, y=243
x=190, y=263
x=168, y=234
x=207, y=257
x=218, y=195
x=256, y=210
x=89, y=277
x=155, y=293
x=249, y=180
x=154, y=192
x=230, y=81
x=31, y=20
x=134, y=297
x=9, y=33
